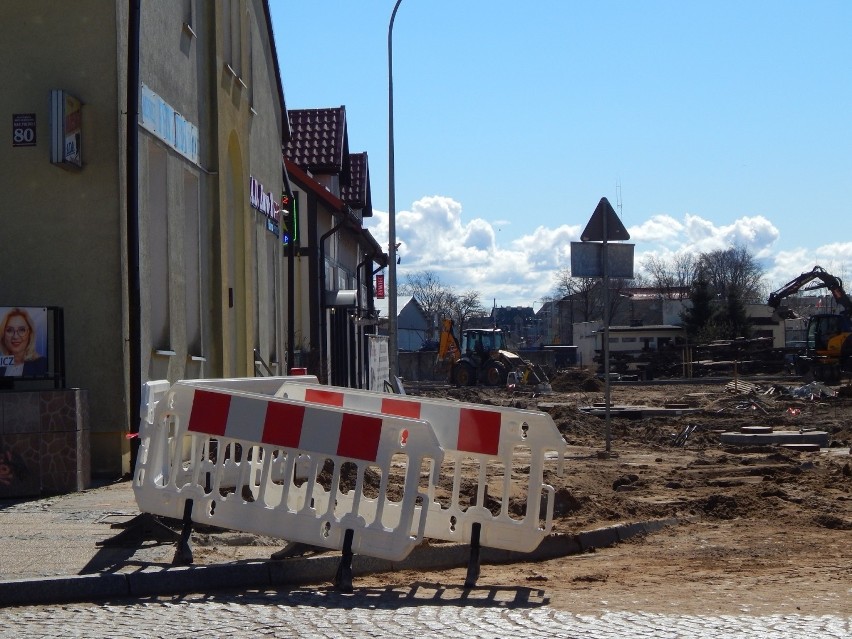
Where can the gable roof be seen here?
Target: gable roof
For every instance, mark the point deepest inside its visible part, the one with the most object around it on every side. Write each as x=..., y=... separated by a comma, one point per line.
x=319, y=141
x=382, y=305
x=357, y=193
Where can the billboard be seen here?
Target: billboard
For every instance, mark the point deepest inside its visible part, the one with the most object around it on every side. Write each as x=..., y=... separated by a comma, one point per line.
x=23, y=342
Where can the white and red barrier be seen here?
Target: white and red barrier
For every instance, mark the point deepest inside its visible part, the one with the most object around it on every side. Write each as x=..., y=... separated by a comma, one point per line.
x=233, y=448
x=488, y=442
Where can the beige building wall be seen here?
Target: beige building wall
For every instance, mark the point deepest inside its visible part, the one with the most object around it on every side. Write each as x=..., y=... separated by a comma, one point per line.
x=209, y=267
x=61, y=242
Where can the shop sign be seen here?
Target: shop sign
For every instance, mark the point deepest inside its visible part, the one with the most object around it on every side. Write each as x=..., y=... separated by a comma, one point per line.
x=266, y=203
x=290, y=218
x=160, y=118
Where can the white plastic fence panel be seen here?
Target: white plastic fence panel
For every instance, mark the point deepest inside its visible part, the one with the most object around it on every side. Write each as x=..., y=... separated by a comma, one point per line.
x=235, y=454
x=488, y=442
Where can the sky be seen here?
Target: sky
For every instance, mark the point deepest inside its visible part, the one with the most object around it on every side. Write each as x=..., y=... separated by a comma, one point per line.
x=705, y=124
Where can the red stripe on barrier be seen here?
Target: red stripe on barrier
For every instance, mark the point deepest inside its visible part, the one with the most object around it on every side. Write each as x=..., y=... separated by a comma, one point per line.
x=359, y=437
x=283, y=424
x=479, y=431
x=209, y=412
x=401, y=408
x=331, y=398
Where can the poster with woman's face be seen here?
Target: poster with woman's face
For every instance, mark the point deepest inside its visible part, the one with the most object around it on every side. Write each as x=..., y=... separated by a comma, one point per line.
x=23, y=336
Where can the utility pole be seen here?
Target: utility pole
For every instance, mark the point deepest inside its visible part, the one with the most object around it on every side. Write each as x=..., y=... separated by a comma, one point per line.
x=393, y=346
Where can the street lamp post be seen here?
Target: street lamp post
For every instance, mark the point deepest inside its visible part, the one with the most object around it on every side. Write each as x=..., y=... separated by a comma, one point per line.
x=393, y=348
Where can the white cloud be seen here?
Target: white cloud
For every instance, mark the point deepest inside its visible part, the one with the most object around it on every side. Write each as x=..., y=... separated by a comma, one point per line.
x=469, y=255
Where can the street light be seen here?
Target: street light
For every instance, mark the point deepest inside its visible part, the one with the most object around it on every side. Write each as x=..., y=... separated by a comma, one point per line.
x=393, y=350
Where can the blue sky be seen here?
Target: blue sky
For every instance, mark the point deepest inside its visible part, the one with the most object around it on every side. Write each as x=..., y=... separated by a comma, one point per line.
x=706, y=124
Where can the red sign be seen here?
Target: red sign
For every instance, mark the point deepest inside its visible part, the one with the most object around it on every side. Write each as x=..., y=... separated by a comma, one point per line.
x=380, y=287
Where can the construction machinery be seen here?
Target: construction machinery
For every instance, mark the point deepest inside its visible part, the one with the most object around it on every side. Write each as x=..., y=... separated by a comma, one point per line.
x=828, y=347
x=482, y=357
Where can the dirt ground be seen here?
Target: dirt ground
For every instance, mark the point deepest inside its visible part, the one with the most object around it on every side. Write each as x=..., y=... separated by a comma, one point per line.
x=761, y=530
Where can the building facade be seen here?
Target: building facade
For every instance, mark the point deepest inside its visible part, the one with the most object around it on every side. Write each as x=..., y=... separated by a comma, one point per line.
x=155, y=227
x=336, y=257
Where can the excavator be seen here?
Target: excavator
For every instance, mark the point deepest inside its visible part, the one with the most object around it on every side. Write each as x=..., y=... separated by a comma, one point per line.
x=828, y=349
x=482, y=357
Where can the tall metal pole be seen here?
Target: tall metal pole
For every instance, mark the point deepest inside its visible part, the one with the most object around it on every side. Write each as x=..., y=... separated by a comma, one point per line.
x=393, y=349
x=605, y=257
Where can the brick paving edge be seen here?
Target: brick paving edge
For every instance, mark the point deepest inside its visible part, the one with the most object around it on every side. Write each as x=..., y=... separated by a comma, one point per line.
x=297, y=571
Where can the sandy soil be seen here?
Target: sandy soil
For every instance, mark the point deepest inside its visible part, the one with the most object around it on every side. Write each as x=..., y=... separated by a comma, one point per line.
x=763, y=530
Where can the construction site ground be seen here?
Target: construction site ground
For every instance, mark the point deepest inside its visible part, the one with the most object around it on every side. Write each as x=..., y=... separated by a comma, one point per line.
x=763, y=530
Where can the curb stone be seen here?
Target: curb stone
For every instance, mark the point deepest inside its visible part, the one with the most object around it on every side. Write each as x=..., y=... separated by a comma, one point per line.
x=296, y=571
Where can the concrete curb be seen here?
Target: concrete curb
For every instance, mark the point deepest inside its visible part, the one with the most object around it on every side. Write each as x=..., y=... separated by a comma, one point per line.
x=295, y=571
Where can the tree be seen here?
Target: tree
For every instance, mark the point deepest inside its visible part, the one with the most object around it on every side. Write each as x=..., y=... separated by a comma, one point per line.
x=463, y=307
x=586, y=295
x=699, y=316
x=732, y=271
x=429, y=291
x=672, y=278
x=440, y=300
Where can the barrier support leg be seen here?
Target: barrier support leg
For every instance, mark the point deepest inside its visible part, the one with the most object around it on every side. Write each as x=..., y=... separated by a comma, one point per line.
x=343, y=578
x=473, y=563
x=183, y=552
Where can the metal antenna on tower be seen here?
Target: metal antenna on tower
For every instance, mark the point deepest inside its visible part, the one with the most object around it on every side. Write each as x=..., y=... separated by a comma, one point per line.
x=618, y=197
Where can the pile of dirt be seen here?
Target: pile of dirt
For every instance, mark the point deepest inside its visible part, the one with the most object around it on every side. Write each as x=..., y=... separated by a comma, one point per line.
x=676, y=466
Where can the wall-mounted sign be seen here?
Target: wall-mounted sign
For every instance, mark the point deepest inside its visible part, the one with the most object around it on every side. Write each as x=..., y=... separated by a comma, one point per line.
x=290, y=218
x=66, y=130
x=266, y=203
x=23, y=341
x=158, y=117
x=23, y=129
x=380, y=287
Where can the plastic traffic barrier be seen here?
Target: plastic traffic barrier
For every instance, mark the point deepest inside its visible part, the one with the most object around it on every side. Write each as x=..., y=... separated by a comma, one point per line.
x=228, y=453
x=503, y=509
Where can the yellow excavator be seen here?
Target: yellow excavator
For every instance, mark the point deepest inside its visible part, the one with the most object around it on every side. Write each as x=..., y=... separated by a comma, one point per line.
x=828, y=352
x=482, y=357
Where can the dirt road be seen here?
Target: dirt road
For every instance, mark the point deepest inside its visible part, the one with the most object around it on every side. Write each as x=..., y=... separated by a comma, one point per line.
x=763, y=530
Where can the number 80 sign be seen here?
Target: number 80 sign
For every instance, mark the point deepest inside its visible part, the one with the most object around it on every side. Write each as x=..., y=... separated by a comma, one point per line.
x=23, y=129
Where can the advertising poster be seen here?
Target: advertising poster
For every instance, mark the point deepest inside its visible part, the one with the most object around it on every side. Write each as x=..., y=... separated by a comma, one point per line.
x=23, y=341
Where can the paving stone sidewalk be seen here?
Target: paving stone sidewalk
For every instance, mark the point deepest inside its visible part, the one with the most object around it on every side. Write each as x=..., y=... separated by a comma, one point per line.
x=56, y=549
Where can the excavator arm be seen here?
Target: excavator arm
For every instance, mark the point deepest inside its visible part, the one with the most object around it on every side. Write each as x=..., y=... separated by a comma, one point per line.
x=825, y=280
x=448, y=346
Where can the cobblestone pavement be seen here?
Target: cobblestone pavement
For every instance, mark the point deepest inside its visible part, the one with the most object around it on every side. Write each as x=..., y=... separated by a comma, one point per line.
x=420, y=611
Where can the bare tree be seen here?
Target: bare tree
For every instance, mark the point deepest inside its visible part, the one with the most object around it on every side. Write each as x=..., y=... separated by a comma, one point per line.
x=672, y=278
x=430, y=292
x=463, y=307
x=732, y=272
x=440, y=301
x=585, y=295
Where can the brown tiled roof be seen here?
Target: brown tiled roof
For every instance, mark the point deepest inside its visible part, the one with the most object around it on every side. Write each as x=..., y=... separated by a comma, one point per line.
x=357, y=193
x=319, y=141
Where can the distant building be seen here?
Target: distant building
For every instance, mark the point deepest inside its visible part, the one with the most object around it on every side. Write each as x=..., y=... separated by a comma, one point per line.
x=412, y=322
